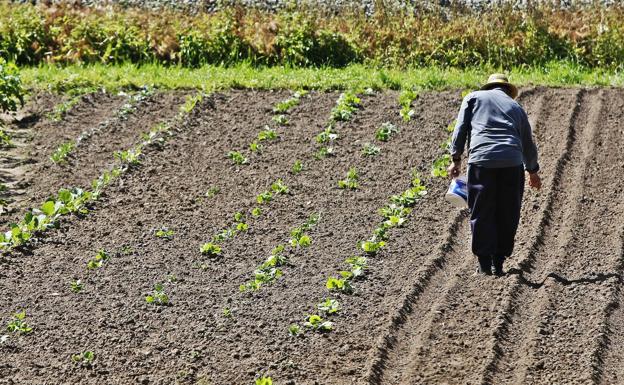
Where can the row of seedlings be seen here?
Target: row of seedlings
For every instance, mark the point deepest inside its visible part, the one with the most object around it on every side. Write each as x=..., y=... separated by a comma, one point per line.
x=240, y=224
x=269, y=134
x=345, y=107
x=270, y=270
x=64, y=151
x=395, y=215
x=78, y=201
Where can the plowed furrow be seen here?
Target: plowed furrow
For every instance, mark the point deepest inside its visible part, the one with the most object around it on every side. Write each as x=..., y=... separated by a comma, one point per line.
x=528, y=346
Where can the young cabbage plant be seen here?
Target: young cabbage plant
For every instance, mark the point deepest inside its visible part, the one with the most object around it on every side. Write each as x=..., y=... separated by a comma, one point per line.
x=370, y=150
x=339, y=284
x=326, y=136
x=357, y=265
x=264, y=197
x=351, y=182
x=237, y=157
x=18, y=324
x=372, y=246
x=386, y=131
x=282, y=120
x=164, y=233
x=324, y=152
x=406, y=97
x=61, y=153
x=76, y=286
x=84, y=358
x=267, y=134
x=157, y=296
x=294, y=330
x=316, y=322
x=329, y=306
x=297, y=167
x=210, y=249
x=98, y=261
x=264, y=381
x=346, y=105
x=278, y=187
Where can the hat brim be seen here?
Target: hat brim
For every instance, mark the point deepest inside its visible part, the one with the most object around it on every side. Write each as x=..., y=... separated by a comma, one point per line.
x=498, y=83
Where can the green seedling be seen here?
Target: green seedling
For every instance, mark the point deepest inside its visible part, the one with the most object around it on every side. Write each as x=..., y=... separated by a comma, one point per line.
x=294, y=330
x=440, y=165
x=85, y=358
x=316, y=322
x=171, y=278
x=130, y=157
x=190, y=103
x=370, y=150
x=210, y=249
x=372, y=246
x=126, y=250
x=157, y=296
x=255, y=147
x=61, y=153
x=326, y=136
x=324, y=152
x=297, y=167
x=339, y=284
x=405, y=101
x=98, y=261
x=380, y=233
x=386, y=131
x=329, y=306
x=394, y=210
x=351, y=182
x=224, y=235
x=394, y=221
x=357, y=265
x=283, y=107
x=18, y=324
x=5, y=140
x=346, y=105
x=264, y=197
x=212, y=191
x=237, y=157
x=282, y=120
x=267, y=134
x=165, y=233
x=242, y=226
x=278, y=187
x=256, y=212
x=227, y=313
x=299, y=239
x=76, y=286
x=264, y=381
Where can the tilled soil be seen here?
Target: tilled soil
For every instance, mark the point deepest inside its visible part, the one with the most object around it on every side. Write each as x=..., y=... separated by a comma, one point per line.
x=419, y=317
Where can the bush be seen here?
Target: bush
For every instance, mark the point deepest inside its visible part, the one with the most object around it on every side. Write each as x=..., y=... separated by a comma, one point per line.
x=11, y=91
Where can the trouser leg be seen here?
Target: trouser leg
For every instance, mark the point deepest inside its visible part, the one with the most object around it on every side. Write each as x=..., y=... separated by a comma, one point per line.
x=510, y=188
x=482, y=191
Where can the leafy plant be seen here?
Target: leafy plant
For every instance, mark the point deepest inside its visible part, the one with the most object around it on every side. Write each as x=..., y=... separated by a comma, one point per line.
x=61, y=153
x=406, y=97
x=157, y=296
x=372, y=246
x=264, y=197
x=440, y=165
x=267, y=134
x=18, y=324
x=5, y=140
x=370, y=150
x=164, y=233
x=324, y=152
x=278, y=187
x=84, y=358
x=294, y=330
x=346, y=105
x=11, y=90
x=316, y=322
x=351, y=182
x=227, y=312
x=297, y=167
x=98, y=261
x=212, y=191
x=282, y=120
x=357, y=265
x=256, y=212
x=326, y=136
x=264, y=381
x=76, y=286
x=339, y=284
x=131, y=157
x=210, y=249
x=255, y=146
x=237, y=157
x=329, y=306
x=386, y=130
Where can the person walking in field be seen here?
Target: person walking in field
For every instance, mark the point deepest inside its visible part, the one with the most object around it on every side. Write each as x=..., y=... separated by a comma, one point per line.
x=496, y=130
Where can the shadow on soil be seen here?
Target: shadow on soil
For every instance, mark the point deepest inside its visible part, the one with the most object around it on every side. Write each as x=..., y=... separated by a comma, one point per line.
x=598, y=278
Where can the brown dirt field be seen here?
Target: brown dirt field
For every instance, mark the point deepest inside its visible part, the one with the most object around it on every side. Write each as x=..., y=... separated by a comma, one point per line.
x=420, y=316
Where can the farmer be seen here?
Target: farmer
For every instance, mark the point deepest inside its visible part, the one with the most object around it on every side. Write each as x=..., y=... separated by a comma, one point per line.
x=500, y=149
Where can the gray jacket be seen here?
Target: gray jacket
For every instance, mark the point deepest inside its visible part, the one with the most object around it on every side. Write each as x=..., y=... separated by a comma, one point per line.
x=498, y=132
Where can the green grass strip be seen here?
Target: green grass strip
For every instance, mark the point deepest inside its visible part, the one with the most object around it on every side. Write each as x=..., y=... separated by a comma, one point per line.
x=353, y=77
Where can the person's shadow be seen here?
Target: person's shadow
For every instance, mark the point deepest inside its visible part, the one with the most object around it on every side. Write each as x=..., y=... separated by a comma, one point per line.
x=600, y=277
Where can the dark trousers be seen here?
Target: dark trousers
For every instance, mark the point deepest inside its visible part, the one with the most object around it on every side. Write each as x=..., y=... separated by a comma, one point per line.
x=494, y=199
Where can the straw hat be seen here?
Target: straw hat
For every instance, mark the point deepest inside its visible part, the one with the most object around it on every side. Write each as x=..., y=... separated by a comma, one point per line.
x=496, y=80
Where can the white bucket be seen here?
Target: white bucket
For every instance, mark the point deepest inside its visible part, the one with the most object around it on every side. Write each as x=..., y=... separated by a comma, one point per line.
x=457, y=193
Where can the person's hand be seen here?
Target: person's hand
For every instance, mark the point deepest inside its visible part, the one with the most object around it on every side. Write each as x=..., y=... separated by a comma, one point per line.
x=535, y=181
x=454, y=169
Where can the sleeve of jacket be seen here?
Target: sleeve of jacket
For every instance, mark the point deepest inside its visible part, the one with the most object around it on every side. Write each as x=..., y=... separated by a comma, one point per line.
x=462, y=127
x=529, y=149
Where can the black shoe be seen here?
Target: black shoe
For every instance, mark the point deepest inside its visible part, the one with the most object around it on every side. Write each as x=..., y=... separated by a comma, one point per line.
x=485, y=265
x=497, y=264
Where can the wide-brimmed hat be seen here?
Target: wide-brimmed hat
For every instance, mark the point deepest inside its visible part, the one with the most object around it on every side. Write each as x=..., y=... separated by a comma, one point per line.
x=496, y=80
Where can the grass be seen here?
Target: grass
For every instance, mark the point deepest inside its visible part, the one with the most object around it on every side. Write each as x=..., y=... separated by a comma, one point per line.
x=357, y=77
